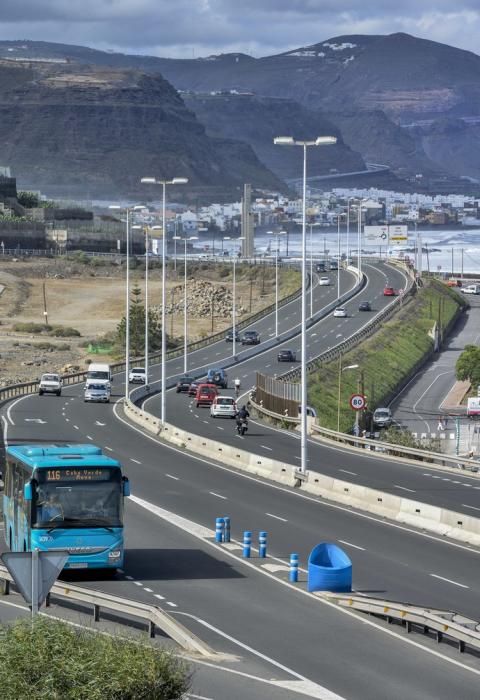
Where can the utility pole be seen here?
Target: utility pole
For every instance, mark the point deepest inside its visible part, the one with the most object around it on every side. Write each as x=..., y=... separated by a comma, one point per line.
x=251, y=293
x=212, y=309
x=45, y=312
x=173, y=312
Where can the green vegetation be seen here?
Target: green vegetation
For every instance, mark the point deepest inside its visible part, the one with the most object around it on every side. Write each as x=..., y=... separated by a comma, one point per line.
x=30, y=200
x=137, y=327
x=50, y=660
x=42, y=328
x=467, y=368
x=397, y=436
x=385, y=359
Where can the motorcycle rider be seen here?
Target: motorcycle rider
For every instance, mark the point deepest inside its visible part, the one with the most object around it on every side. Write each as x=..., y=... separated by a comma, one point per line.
x=241, y=416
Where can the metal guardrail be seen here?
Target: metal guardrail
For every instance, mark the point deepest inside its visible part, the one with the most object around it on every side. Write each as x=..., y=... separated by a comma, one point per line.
x=356, y=337
x=155, y=617
x=443, y=622
x=21, y=389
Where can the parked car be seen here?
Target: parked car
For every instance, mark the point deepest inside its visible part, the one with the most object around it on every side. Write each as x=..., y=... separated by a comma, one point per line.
x=382, y=417
x=218, y=377
x=223, y=406
x=229, y=336
x=388, y=292
x=286, y=356
x=97, y=392
x=250, y=338
x=184, y=384
x=205, y=395
x=50, y=384
x=324, y=281
x=137, y=375
x=364, y=306
x=340, y=312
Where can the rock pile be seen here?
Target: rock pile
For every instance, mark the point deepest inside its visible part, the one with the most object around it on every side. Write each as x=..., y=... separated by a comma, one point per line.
x=200, y=296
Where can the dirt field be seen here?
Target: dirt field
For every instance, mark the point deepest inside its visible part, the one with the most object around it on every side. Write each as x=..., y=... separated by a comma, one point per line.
x=91, y=299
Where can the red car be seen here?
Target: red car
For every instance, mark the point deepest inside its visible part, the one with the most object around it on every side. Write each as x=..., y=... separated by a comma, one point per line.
x=388, y=292
x=205, y=395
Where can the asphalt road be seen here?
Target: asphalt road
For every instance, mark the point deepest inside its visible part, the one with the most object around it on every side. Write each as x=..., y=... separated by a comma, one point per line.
x=249, y=606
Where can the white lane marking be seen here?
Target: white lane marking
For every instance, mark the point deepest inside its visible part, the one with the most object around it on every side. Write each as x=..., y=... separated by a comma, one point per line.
x=449, y=580
x=149, y=590
x=76, y=427
x=130, y=578
x=276, y=487
x=270, y=449
x=244, y=376
x=172, y=605
x=217, y=495
x=67, y=420
x=472, y=507
x=110, y=449
x=160, y=597
x=138, y=583
x=5, y=430
x=170, y=476
x=349, y=544
x=134, y=460
x=12, y=405
x=268, y=365
x=196, y=415
x=404, y=488
x=345, y=471
x=217, y=353
x=97, y=422
x=206, y=421
x=187, y=525
x=89, y=437
x=469, y=485
x=197, y=697
x=219, y=427
x=277, y=517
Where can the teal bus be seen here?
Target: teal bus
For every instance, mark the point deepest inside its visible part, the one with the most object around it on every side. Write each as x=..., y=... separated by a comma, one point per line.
x=65, y=497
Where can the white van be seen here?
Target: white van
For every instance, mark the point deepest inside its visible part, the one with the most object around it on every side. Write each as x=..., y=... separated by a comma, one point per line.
x=99, y=372
x=471, y=289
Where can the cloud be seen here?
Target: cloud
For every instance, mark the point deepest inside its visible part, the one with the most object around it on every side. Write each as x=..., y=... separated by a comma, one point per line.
x=187, y=28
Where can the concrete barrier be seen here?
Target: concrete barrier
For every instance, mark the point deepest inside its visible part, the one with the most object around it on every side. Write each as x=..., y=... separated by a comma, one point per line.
x=437, y=520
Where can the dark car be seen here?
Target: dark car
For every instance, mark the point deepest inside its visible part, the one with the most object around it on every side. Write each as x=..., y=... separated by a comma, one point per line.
x=184, y=383
x=364, y=306
x=250, y=338
x=218, y=377
x=388, y=292
x=192, y=389
x=321, y=266
x=229, y=337
x=286, y=356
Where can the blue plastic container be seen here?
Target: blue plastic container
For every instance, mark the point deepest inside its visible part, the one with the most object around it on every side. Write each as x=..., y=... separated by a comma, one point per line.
x=329, y=569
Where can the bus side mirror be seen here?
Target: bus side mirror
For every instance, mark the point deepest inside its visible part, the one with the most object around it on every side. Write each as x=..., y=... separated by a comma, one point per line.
x=126, y=486
x=27, y=491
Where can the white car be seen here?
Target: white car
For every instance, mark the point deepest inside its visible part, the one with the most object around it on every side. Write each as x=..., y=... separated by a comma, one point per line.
x=50, y=384
x=137, y=375
x=223, y=406
x=340, y=312
x=324, y=281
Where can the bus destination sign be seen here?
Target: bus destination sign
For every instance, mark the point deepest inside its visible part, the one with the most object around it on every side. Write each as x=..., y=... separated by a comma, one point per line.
x=77, y=474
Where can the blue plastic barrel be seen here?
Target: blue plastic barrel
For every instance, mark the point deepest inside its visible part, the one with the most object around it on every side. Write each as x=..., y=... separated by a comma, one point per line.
x=329, y=569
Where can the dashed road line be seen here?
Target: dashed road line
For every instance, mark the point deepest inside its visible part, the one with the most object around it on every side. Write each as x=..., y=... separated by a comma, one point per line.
x=217, y=495
x=467, y=506
x=270, y=449
x=277, y=517
x=110, y=449
x=349, y=544
x=448, y=580
x=148, y=590
x=134, y=460
x=172, y=605
x=160, y=597
x=170, y=476
x=345, y=471
x=404, y=488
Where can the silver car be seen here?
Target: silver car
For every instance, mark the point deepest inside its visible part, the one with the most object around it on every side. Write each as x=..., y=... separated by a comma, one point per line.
x=97, y=392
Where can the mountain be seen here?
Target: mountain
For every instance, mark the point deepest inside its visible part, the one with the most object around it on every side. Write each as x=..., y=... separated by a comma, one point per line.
x=78, y=130
x=373, y=90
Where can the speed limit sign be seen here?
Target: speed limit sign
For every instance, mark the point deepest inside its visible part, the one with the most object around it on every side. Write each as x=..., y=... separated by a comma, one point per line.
x=357, y=402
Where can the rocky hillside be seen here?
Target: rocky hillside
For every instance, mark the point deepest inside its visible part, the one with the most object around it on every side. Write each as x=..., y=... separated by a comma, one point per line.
x=369, y=86
x=90, y=131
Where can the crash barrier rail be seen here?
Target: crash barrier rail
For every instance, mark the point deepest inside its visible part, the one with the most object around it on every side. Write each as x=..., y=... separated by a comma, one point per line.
x=387, y=449
x=457, y=526
x=359, y=335
x=31, y=387
x=443, y=622
x=154, y=616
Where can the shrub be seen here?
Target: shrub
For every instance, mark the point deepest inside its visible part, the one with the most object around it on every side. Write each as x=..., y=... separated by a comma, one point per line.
x=30, y=327
x=64, y=332
x=50, y=660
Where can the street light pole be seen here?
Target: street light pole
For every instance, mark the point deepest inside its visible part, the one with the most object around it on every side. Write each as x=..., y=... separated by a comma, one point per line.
x=164, y=183
x=146, y=304
x=340, y=370
x=289, y=141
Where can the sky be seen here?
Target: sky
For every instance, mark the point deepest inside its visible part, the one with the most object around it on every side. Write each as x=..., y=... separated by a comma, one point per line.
x=195, y=28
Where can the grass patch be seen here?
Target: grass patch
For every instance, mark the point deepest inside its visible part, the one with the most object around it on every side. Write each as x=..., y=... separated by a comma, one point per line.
x=53, y=661
x=387, y=358
x=42, y=328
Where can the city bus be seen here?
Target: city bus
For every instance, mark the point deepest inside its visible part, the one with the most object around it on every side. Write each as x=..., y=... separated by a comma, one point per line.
x=65, y=497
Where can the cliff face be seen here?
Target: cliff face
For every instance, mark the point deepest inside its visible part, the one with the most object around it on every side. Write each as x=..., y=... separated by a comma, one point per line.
x=95, y=131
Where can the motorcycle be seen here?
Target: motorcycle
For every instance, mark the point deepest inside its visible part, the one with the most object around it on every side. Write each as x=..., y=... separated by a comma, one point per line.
x=242, y=426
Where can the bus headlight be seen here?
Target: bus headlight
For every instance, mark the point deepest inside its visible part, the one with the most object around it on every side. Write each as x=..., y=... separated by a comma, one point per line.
x=115, y=554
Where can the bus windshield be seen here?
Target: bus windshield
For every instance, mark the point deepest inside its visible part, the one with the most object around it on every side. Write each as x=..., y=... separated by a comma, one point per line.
x=68, y=503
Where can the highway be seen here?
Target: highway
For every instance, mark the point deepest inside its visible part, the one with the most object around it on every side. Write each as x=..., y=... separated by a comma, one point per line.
x=176, y=565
